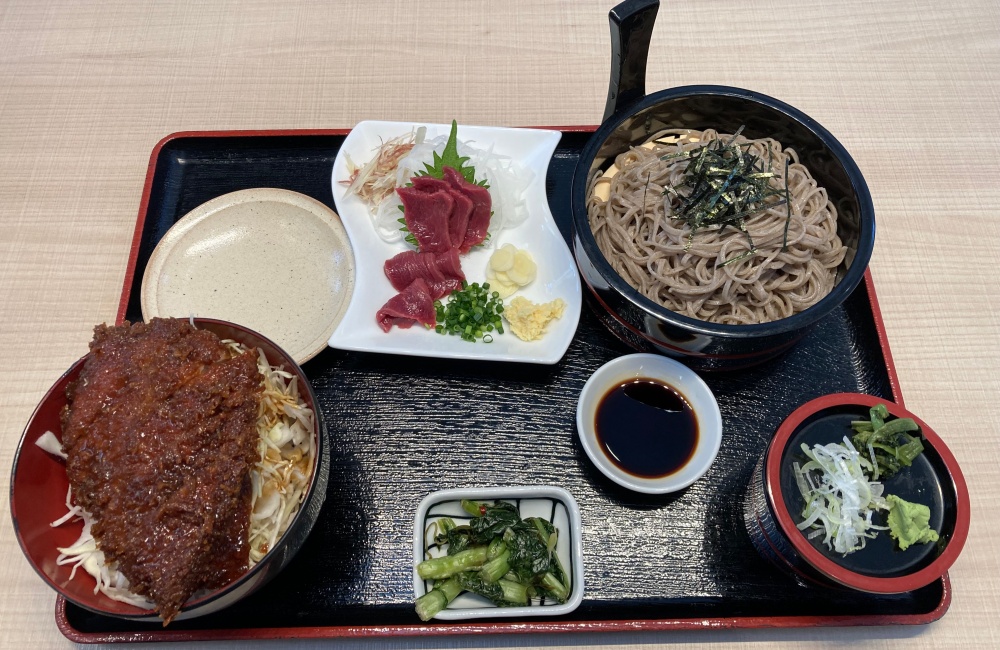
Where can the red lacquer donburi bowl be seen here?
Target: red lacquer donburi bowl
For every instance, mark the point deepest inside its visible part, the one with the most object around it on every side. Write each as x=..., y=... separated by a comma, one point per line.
x=39, y=487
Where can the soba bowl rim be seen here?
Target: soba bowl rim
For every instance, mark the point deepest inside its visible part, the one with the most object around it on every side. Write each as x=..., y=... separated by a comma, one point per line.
x=195, y=605
x=853, y=276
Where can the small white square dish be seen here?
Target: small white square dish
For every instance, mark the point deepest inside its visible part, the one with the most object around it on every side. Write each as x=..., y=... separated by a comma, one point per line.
x=535, y=231
x=550, y=503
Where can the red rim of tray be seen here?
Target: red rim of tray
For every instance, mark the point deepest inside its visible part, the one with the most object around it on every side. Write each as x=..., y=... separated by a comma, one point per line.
x=66, y=627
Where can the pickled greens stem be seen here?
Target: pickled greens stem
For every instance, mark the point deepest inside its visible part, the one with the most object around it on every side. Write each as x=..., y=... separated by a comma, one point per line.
x=437, y=598
x=449, y=565
x=554, y=586
x=496, y=568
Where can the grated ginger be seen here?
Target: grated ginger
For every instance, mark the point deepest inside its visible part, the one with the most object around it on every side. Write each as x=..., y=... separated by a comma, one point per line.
x=528, y=321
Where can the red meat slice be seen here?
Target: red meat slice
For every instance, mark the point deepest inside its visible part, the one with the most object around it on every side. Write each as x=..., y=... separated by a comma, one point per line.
x=442, y=271
x=482, y=204
x=458, y=225
x=430, y=184
x=449, y=264
x=458, y=221
x=413, y=305
x=404, y=268
x=427, y=215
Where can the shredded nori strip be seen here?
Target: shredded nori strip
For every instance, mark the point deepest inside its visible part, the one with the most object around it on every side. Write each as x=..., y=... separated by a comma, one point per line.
x=727, y=184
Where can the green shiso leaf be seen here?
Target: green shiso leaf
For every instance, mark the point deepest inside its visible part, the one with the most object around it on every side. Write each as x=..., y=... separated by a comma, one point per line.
x=450, y=158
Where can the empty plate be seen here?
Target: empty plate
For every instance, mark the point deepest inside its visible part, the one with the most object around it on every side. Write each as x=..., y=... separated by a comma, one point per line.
x=276, y=261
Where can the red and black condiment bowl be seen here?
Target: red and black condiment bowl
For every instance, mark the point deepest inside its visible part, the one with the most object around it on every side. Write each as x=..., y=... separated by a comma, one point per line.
x=773, y=505
x=631, y=117
x=39, y=487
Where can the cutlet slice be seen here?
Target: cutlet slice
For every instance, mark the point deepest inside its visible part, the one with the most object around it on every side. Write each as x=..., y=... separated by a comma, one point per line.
x=160, y=435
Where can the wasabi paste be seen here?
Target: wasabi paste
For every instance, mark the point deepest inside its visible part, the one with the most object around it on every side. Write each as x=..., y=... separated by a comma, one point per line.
x=909, y=522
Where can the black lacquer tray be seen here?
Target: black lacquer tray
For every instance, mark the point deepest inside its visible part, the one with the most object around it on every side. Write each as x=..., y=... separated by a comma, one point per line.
x=403, y=427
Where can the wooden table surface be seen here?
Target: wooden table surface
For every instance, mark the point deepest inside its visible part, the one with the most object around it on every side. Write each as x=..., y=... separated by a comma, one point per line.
x=912, y=89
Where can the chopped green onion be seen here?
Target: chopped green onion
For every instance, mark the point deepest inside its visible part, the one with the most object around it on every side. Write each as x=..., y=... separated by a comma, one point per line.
x=470, y=313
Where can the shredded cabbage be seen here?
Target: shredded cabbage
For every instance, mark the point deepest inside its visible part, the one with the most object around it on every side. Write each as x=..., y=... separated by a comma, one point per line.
x=84, y=553
x=281, y=476
x=840, y=500
x=50, y=444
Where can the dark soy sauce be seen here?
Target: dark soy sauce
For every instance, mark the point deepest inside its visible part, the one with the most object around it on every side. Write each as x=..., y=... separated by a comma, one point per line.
x=646, y=427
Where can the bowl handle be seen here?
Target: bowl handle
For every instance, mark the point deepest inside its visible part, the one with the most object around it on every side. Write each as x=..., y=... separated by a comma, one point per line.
x=631, y=30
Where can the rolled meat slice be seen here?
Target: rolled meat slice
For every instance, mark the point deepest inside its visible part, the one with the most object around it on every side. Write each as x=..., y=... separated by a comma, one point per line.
x=412, y=305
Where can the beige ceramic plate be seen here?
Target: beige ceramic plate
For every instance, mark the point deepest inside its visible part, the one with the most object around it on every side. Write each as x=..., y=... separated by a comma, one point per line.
x=272, y=260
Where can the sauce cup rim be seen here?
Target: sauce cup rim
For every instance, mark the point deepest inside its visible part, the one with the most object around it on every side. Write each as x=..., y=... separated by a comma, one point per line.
x=683, y=379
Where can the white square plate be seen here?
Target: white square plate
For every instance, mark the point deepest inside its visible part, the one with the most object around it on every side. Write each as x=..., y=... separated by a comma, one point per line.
x=538, y=234
x=551, y=503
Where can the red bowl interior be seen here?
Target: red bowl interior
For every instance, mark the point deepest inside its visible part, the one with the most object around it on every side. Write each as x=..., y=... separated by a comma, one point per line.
x=39, y=487
x=951, y=482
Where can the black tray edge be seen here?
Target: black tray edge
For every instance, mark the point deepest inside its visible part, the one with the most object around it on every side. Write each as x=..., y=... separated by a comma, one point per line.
x=538, y=627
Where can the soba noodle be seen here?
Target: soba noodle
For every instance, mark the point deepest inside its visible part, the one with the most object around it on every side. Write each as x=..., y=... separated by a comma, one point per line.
x=647, y=244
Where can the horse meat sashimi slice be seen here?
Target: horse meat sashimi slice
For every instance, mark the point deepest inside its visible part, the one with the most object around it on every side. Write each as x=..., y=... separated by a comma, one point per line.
x=458, y=221
x=430, y=184
x=482, y=204
x=427, y=215
x=413, y=305
x=460, y=215
x=449, y=264
x=442, y=271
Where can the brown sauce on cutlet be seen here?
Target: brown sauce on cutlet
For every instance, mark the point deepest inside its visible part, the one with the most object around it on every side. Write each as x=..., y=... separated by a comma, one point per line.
x=160, y=434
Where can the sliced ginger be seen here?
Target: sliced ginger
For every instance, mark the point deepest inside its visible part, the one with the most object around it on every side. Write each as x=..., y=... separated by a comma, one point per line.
x=509, y=269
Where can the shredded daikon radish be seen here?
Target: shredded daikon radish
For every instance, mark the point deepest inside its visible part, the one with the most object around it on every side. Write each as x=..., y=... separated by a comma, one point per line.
x=840, y=500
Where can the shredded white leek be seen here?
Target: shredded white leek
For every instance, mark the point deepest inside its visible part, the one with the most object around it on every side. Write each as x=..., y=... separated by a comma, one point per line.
x=840, y=500
x=376, y=179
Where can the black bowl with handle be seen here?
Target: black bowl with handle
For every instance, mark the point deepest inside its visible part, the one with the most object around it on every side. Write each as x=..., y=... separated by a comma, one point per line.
x=631, y=117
